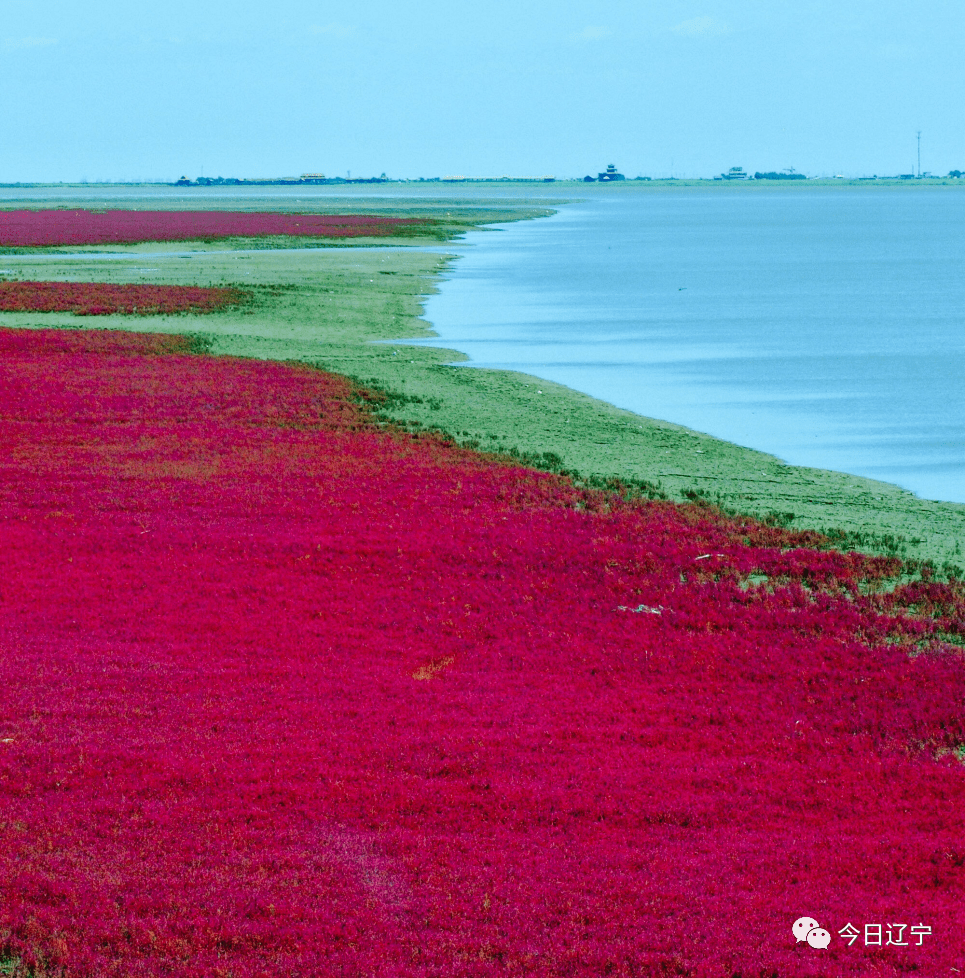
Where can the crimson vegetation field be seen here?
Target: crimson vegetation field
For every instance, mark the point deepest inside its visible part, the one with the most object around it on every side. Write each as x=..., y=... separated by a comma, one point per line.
x=288, y=693
x=81, y=227
x=101, y=298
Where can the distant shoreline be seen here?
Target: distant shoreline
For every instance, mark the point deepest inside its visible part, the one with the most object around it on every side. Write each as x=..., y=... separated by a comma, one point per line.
x=644, y=183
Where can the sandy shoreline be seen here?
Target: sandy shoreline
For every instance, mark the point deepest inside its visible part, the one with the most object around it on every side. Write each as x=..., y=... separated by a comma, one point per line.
x=326, y=306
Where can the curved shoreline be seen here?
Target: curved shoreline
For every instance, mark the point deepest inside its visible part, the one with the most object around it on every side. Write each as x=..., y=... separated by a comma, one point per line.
x=325, y=307
x=789, y=333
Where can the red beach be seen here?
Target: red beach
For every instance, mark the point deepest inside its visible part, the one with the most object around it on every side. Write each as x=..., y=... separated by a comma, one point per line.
x=101, y=298
x=34, y=228
x=285, y=693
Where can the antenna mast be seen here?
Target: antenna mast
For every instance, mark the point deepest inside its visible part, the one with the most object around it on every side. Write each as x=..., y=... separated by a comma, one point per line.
x=919, y=153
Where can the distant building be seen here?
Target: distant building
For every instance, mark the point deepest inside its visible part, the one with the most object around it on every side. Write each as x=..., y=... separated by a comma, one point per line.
x=734, y=173
x=610, y=174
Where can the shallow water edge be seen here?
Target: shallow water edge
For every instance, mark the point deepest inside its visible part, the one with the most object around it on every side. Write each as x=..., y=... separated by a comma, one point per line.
x=334, y=303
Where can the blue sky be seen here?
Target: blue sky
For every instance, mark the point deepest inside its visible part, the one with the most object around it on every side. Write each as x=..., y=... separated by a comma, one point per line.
x=120, y=91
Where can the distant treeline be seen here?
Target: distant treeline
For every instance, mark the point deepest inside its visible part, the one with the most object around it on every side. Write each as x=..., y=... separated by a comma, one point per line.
x=779, y=176
x=275, y=181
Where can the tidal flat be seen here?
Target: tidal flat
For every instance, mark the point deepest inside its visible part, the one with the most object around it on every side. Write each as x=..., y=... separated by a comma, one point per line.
x=348, y=309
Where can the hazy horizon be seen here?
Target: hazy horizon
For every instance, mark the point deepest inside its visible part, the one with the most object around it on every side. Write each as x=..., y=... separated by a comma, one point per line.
x=449, y=181
x=109, y=93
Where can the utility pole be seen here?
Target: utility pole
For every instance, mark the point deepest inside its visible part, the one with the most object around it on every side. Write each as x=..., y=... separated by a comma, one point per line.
x=919, y=154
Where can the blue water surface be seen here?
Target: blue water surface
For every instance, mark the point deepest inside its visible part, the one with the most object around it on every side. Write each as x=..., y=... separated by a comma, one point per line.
x=823, y=325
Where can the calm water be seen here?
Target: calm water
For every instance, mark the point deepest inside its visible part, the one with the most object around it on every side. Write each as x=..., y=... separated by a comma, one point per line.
x=826, y=326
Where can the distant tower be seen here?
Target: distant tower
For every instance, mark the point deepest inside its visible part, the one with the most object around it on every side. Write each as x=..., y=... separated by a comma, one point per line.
x=919, y=152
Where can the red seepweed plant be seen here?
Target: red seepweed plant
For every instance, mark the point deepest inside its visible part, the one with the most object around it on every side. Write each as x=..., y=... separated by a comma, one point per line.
x=287, y=694
x=102, y=298
x=34, y=228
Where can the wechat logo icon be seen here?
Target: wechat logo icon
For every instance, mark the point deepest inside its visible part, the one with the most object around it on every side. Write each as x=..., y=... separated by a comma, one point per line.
x=808, y=929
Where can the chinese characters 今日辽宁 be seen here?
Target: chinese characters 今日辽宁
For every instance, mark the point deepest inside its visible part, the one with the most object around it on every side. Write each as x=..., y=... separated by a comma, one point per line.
x=886, y=934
